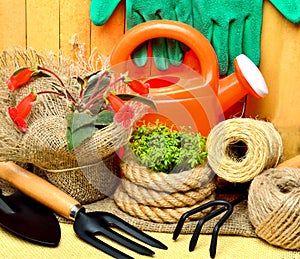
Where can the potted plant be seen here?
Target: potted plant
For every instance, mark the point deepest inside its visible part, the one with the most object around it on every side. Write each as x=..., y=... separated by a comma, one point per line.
x=69, y=125
x=164, y=172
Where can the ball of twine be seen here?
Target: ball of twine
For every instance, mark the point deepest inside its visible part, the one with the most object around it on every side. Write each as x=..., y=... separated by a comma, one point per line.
x=274, y=206
x=241, y=148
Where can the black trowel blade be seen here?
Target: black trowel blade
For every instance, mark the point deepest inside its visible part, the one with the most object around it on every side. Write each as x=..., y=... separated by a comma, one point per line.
x=28, y=219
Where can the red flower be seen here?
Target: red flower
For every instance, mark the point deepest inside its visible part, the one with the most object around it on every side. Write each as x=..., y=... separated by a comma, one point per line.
x=20, y=77
x=124, y=116
x=139, y=87
x=19, y=113
x=115, y=102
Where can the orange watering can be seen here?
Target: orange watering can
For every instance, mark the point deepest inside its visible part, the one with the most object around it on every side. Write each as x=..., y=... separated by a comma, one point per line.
x=192, y=98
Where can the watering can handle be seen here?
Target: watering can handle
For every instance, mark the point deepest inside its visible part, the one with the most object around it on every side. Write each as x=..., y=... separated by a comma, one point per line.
x=175, y=30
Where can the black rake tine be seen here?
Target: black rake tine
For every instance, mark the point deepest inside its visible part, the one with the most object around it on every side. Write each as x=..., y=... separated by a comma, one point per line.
x=92, y=240
x=226, y=206
x=188, y=214
x=122, y=240
x=200, y=224
x=133, y=231
x=214, y=238
x=209, y=216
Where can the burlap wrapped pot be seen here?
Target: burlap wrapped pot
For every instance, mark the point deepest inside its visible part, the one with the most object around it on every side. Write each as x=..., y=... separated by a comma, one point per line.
x=88, y=173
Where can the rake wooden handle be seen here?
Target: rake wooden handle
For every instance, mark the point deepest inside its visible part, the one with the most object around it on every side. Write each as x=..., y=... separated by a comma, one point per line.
x=38, y=189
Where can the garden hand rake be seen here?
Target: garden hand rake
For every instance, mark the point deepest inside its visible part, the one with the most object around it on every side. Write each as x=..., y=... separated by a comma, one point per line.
x=226, y=207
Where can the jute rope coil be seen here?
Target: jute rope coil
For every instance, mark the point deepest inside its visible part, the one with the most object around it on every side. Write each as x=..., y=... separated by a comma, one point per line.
x=161, y=197
x=184, y=181
x=274, y=206
x=157, y=214
x=241, y=148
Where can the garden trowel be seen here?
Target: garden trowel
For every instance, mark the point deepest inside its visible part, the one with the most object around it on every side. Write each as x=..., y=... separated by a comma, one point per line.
x=28, y=219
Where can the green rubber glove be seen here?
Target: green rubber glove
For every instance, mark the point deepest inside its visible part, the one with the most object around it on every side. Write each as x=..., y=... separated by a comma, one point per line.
x=290, y=9
x=165, y=51
x=101, y=10
x=233, y=27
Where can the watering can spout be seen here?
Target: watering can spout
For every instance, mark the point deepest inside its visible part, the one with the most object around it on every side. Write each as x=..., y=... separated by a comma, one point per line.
x=246, y=79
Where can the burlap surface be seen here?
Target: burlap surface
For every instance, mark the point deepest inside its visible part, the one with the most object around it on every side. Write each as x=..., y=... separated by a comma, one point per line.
x=238, y=223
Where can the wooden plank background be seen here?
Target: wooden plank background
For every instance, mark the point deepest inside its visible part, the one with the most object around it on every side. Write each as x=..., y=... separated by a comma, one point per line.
x=57, y=25
x=64, y=25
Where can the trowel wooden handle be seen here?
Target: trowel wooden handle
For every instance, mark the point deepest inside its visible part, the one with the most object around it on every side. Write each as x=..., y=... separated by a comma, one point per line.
x=292, y=162
x=37, y=188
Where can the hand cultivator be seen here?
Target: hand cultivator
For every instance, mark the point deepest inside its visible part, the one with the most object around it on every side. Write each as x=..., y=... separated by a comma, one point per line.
x=86, y=225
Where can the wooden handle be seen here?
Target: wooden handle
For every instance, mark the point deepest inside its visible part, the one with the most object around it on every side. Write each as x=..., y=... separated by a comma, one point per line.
x=292, y=162
x=37, y=188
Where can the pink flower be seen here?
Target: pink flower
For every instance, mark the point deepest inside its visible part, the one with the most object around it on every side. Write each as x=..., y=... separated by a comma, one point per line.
x=124, y=116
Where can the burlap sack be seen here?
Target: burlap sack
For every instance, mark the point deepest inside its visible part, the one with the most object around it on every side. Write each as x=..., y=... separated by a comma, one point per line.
x=44, y=144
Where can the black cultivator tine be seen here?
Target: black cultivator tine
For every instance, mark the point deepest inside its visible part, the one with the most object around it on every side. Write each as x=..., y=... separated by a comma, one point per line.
x=126, y=242
x=182, y=219
x=133, y=231
x=92, y=240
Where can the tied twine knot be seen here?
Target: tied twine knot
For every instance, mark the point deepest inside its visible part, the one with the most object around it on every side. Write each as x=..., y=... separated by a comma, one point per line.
x=274, y=206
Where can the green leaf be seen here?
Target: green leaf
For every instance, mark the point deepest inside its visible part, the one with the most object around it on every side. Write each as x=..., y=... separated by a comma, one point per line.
x=147, y=101
x=93, y=82
x=163, y=150
x=40, y=73
x=80, y=127
x=104, y=118
x=76, y=137
x=77, y=120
